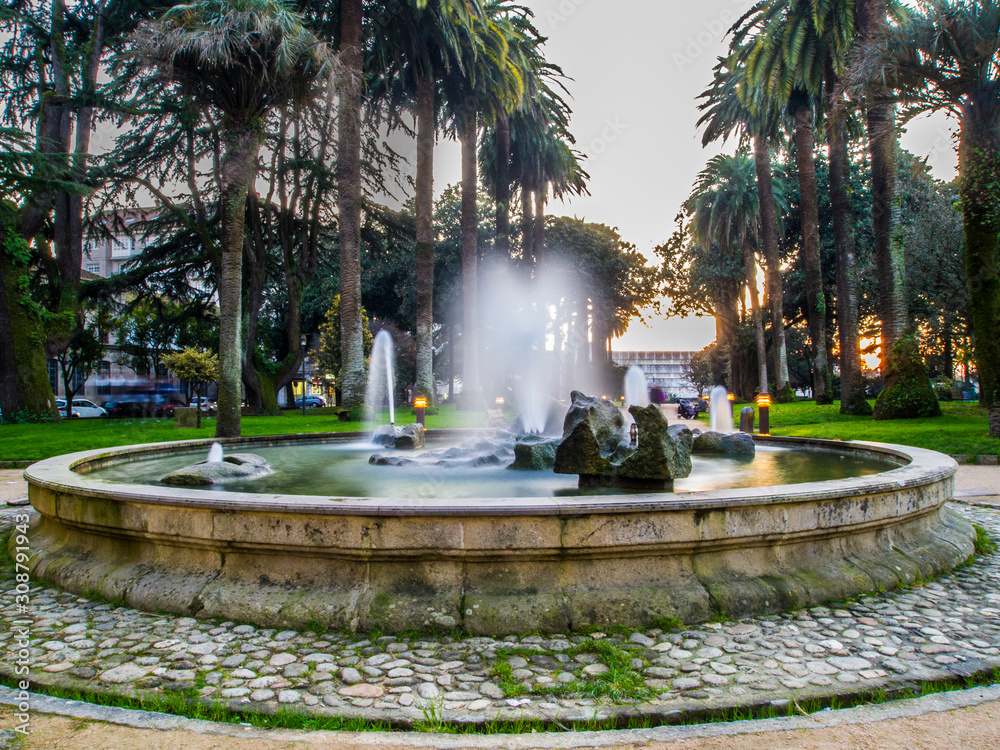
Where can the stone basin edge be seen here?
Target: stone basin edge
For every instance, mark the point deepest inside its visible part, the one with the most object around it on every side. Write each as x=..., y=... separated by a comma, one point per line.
x=920, y=467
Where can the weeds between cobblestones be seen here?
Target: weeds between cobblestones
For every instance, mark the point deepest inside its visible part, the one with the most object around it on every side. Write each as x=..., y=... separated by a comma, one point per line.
x=941, y=635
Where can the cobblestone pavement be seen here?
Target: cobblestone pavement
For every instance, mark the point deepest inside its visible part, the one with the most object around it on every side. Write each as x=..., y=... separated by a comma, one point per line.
x=942, y=630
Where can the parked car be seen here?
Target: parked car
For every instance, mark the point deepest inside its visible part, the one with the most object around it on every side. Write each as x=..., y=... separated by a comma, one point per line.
x=139, y=407
x=312, y=402
x=82, y=407
x=207, y=405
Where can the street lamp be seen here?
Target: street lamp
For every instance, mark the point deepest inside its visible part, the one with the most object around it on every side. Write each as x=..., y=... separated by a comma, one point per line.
x=303, y=341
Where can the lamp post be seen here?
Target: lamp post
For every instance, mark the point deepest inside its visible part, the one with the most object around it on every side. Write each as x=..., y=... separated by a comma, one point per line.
x=303, y=341
x=764, y=407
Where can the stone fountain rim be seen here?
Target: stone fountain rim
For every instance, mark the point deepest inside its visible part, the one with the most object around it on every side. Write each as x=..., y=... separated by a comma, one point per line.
x=60, y=474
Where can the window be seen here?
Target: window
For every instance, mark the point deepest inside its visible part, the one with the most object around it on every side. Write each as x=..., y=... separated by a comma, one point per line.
x=94, y=268
x=79, y=378
x=54, y=375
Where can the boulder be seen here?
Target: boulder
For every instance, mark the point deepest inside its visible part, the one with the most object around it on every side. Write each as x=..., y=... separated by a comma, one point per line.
x=594, y=446
x=593, y=436
x=662, y=452
x=724, y=443
x=235, y=467
x=402, y=438
x=533, y=453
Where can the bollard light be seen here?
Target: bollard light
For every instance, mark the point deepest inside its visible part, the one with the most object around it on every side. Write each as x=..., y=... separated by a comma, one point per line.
x=420, y=406
x=499, y=401
x=764, y=409
x=303, y=341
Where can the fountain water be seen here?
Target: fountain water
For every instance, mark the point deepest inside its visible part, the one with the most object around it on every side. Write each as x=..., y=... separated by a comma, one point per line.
x=636, y=392
x=380, y=382
x=720, y=410
x=215, y=453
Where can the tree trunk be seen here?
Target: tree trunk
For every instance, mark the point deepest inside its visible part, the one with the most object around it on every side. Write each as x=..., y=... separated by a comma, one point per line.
x=239, y=168
x=539, y=229
x=24, y=377
x=816, y=301
x=425, y=236
x=750, y=264
x=352, y=379
x=775, y=283
x=502, y=188
x=890, y=264
x=527, y=229
x=852, y=390
x=472, y=391
x=979, y=166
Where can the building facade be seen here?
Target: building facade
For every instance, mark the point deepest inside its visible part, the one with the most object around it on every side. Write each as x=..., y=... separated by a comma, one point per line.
x=664, y=370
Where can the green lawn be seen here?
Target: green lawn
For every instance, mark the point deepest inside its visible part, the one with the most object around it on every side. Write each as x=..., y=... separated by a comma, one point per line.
x=962, y=429
x=32, y=442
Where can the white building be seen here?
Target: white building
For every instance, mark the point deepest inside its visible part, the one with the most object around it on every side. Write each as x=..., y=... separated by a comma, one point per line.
x=665, y=370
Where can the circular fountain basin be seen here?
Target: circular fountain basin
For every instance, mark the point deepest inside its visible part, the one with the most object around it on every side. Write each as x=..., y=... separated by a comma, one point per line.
x=491, y=563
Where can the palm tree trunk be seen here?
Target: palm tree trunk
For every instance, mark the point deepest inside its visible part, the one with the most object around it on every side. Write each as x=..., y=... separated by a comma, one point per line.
x=352, y=367
x=527, y=229
x=979, y=165
x=775, y=284
x=750, y=265
x=883, y=146
x=816, y=301
x=852, y=391
x=502, y=187
x=472, y=392
x=539, y=229
x=239, y=168
x=425, y=236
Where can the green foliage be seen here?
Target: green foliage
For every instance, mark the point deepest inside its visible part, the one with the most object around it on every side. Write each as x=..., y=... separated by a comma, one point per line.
x=192, y=365
x=984, y=543
x=328, y=355
x=908, y=393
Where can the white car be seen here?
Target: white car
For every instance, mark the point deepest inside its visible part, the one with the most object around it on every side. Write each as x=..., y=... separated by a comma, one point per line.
x=81, y=408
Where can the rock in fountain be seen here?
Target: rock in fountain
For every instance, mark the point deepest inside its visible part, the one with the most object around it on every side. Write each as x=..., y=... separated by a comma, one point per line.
x=595, y=448
x=404, y=438
x=722, y=443
x=722, y=439
x=534, y=453
x=217, y=469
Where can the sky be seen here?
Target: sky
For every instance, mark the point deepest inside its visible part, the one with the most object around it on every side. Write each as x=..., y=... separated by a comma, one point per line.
x=637, y=67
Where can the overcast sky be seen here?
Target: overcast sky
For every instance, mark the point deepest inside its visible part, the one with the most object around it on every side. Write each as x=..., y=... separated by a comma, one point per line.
x=637, y=67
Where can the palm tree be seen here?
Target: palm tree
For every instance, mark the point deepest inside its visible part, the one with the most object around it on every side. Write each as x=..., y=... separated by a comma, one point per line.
x=244, y=58
x=770, y=37
x=947, y=56
x=725, y=204
x=760, y=121
x=421, y=42
x=883, y=146
x=352, y=378
x=487, y=87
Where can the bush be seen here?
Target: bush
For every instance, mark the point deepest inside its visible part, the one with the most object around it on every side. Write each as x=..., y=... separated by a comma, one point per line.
x=908, y=393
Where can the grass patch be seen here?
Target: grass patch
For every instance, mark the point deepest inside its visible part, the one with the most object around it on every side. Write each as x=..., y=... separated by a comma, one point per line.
x=962, y=428
x=33, y=442
x=984, y=543
x=6, y=561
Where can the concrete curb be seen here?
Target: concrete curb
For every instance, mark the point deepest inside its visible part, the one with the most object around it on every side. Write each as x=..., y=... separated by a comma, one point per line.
x=824, y=719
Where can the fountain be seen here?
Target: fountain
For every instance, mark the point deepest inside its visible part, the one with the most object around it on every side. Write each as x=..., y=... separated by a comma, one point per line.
x=720, y=410
x=635, y=388
x=500, y=532
x=381, y=388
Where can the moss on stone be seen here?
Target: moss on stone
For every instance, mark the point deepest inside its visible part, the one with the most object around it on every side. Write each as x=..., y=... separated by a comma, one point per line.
x=908, y=393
